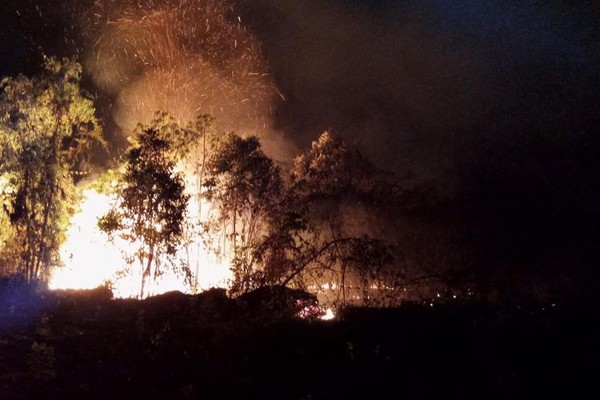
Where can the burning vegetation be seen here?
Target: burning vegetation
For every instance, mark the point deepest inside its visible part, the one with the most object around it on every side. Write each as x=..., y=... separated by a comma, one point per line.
x=162, y=237
x=187, y=207
x=191, y=205
x=182, y=196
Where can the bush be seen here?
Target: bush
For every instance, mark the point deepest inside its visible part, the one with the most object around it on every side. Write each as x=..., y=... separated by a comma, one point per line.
x=279, y=302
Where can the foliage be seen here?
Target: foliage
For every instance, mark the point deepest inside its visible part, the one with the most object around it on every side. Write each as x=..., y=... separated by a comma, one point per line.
x=42, y=361
x=152, y=204
x=335, y=170
x=278, y=302
x=47, y=131
x=247, y=188
x=341, y=192
x=184, y=141
x=276, y=236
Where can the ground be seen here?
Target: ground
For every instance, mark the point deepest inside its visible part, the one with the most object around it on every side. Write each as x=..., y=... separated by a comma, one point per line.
x=67, y=345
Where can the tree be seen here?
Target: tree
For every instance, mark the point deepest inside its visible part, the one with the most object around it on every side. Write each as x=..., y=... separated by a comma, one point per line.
x=332, y=169
x=47, y=131
x=152, y=204
x=246, y=186
x=275, y=231
x=337, y=186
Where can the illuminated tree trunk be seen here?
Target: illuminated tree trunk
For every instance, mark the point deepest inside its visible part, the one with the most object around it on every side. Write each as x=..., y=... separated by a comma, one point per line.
x=147, y=270
x=50, y=182
x=199, y=180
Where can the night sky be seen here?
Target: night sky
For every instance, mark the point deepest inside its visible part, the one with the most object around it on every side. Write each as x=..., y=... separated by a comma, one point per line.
x=494, y=103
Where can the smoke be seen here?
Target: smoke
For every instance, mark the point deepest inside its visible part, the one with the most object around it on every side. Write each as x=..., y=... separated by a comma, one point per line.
x=415, y=83
x=389, y=83
x=429, y=87
x=380, y=76
x=496, y=102
x=186, y=57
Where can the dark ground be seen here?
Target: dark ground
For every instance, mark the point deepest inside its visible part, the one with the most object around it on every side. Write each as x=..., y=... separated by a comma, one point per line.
x=84, y=345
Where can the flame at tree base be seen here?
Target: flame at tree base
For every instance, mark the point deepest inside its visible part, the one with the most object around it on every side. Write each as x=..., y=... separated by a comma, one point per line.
x=91, y=260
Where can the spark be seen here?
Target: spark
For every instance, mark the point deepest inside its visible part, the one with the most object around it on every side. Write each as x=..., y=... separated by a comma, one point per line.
x=181, y=57
x=185, y=58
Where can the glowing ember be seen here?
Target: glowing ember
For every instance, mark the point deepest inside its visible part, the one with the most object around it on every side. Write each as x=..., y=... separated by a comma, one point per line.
x=90, y=259
x=184, y=57
x=329, y=315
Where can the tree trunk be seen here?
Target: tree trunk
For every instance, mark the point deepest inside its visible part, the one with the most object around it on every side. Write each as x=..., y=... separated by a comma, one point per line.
x=147, y=270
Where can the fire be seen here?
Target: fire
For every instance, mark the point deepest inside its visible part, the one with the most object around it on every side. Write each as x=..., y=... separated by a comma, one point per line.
x=187, y=58
x=91, y=259
x=329, y=315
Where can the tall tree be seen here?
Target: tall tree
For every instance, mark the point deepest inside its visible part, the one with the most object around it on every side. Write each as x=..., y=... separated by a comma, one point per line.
x=47, y=131
x=282, y=234
x=246, y=187
x=152, y=204
x=340, y=190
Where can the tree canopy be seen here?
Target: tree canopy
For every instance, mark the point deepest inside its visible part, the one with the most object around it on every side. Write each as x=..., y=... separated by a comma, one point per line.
x=151, y=201
x=48, y=128
x=246, y=187
x=276, y=236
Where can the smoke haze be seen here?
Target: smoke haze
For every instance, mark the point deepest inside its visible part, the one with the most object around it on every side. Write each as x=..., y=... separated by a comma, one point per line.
x=183, y=57
x=494, y=102
x=387, y=81
x=414, y=83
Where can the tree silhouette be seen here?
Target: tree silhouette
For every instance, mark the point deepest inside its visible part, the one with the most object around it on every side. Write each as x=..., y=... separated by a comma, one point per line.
x=246, y=187
x=286, y=234
x=151, y=207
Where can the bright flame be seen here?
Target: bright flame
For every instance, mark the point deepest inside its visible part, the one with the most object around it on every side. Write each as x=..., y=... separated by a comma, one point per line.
x=329, y=315
x=90, y=259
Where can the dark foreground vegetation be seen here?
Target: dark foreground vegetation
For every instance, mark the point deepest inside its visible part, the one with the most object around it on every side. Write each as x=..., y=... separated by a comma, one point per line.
x=82, y=344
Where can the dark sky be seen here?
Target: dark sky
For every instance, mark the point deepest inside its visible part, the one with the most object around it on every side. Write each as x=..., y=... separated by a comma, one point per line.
x=413, y=80
x=494, y=102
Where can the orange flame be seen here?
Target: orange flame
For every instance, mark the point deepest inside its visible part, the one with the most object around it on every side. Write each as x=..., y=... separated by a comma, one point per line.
x=90, y=259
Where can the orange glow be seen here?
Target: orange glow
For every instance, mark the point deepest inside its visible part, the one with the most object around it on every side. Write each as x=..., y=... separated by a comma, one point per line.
x=90, y=259
x=329, y=315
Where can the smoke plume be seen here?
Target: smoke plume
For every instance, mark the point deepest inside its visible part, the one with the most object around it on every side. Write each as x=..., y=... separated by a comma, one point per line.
x=184, y=57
